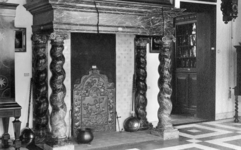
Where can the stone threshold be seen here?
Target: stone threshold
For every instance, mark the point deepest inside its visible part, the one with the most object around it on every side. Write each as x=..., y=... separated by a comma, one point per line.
x=103, y=141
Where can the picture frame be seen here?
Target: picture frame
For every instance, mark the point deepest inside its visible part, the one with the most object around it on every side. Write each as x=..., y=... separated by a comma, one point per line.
x=20, y=40
x=156, y=44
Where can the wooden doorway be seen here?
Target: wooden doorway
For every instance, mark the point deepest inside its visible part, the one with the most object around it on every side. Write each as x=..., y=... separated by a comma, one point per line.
x=194, y=83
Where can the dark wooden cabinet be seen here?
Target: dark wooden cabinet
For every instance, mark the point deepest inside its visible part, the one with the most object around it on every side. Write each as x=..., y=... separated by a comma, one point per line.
x=186, y=64
x=8, y=106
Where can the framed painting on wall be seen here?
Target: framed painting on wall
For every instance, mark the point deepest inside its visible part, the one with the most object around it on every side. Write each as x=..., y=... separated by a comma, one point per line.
x=20, y=40
x=156, y=44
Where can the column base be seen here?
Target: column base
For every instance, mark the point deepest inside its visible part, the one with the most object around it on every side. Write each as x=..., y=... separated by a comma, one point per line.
x=166, y=134
x=56, y=147
x=56, y=144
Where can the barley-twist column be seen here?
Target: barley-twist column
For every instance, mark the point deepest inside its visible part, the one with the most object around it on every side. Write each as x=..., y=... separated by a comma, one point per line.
x=59, y=109
x=164, y=84
x=164, y=127
x=141, y=87
x=40, y=87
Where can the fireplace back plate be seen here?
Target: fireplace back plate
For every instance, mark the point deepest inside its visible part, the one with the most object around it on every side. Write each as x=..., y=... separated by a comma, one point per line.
x=94, y=103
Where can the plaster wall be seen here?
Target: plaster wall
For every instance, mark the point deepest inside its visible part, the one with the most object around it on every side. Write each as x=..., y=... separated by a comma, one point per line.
x=225, y=67
x=152, y=86
x=228, y=35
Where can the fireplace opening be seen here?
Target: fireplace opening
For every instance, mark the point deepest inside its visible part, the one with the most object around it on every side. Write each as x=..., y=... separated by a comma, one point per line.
x=93, y=81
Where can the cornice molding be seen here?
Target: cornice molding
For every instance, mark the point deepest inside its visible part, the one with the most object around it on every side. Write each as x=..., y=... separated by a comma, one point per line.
x=8, y=6
x=38, y=6
x=8, y=9
x=106, y=16
x=104, y=6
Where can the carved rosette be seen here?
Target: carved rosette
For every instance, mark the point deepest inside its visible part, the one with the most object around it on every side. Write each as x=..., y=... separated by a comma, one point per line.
x=164, y=84
x=40, y=86
x=141, y=87
x=57, y=96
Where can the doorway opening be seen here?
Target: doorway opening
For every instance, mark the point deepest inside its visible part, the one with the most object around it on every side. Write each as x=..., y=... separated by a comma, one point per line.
x=194, y=65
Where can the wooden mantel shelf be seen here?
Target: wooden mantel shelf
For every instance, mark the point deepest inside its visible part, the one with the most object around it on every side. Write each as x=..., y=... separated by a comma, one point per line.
x=110, y=16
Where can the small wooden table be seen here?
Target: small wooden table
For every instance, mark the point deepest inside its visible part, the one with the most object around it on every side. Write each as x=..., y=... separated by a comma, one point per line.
x=7, y=110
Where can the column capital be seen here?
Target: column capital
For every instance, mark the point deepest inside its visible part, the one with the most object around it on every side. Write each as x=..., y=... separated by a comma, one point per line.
x=142, y=41
x=167, y=40
x=58, y=37
x=39, y=38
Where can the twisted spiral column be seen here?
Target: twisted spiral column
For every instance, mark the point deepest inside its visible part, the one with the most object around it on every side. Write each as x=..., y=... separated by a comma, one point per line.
x=164, y=84
x=57, y=96
x=40, y=87
x=164, y=127
x=141, y=87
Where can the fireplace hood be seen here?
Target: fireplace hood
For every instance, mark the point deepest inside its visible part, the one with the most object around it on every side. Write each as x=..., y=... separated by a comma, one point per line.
x=102, y=16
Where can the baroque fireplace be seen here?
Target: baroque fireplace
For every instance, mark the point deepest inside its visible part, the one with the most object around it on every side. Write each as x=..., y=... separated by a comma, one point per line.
x=95, y=47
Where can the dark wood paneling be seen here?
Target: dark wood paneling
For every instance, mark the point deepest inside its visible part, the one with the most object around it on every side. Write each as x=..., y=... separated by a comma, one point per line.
x=206, y=58
x=192, y=93
x=186, y=93
x=206, y=71
x=181, y=91
x=238, y=85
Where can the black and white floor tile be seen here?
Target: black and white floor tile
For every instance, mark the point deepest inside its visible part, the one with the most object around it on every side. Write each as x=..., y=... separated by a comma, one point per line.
x=216, y=135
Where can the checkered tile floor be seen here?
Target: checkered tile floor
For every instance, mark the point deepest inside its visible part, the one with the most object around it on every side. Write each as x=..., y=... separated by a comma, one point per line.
x=217, y=135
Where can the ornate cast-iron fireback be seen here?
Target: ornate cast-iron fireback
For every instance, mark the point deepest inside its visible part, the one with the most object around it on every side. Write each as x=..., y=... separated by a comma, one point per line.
x=94, y=103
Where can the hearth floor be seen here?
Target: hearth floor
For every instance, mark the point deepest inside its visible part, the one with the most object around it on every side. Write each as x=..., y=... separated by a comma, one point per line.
x=110, y=141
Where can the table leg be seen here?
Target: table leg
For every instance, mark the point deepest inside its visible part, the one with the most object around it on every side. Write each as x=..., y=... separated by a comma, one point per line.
x=6, y=136
x=16, y=127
